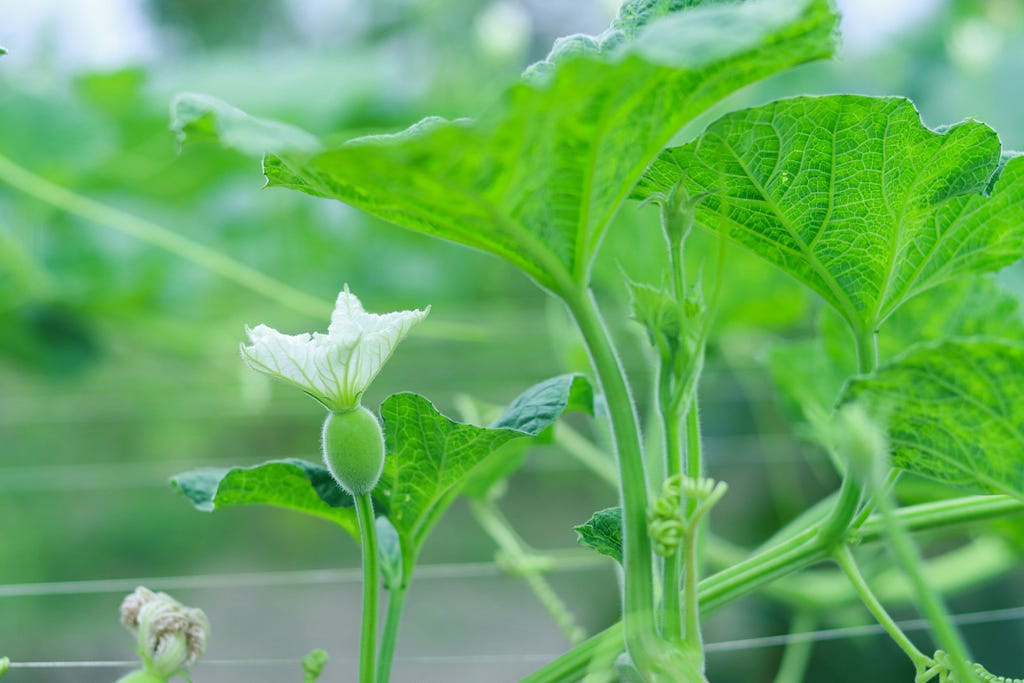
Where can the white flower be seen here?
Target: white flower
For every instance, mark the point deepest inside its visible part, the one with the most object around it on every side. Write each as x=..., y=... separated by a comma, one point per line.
x=337, y=367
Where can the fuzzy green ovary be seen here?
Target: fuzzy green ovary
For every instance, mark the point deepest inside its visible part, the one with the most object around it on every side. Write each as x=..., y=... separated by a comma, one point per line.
x=353, y=447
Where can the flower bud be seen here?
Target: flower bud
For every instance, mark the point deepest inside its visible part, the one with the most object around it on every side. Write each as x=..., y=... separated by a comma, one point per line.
x=171, y=637
x=353, y=448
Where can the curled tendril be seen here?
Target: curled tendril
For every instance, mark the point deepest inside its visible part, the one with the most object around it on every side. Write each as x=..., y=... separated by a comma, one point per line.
x=667, y=522
x=942, y=668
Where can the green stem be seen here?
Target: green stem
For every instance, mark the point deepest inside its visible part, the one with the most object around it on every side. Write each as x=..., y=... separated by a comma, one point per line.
x=521, y=561
x=392, y=619
x=692, y=639
x=640, y=627
x=589, y=455
x=371, y=587
x=797, y=655
x=844, y=558
x=928, y=600
x=151, y=233
x=788, y=556
x=671, y=619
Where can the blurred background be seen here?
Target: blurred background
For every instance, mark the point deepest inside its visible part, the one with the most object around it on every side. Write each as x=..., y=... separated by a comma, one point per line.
x=119, y=363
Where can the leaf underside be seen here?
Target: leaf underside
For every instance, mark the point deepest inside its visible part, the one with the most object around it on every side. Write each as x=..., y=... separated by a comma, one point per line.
x=289, y=483
x=954, y=412
x=538, y=177
x=854, y=196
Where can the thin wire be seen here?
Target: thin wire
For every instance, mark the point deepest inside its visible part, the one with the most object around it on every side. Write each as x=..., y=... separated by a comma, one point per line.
x=466, y=570
x=113, y=476
x=989, y=616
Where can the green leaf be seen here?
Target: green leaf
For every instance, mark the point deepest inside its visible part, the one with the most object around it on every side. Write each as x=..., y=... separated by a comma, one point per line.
x=538, y=407
x=288, y=483
x=537, y=179
x=389, y=548
x=854, y=197
x=954, y=412
x=5, y=662
x=657, y=311
x=430, y=457
x=313, y=665
x=810, y=372
x=201, y=117
x=603, y=533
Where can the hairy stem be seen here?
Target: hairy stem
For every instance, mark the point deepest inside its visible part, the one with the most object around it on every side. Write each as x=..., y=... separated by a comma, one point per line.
x=371, y=588
x=640, y=626
x=671, y=619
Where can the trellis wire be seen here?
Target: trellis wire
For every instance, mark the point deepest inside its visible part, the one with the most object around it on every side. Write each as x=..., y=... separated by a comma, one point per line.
x=462, y=570
x=968, y=618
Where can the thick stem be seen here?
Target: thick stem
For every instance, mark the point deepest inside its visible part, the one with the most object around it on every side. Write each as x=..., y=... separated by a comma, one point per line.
x=392, y=619
x=844, y=558
x=788, y=556
x=640, y=626
x=692, y=641
x=371, y=588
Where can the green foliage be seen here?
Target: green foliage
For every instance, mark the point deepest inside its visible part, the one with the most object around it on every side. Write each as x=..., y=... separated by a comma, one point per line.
x=854, y=197
x=953, y=412
x=389, y=547
x=196, y=118
x=810, y=372
x=313, y=665
x=288, y=483
x=537, y=179
x=603, y=533
x=5, y=662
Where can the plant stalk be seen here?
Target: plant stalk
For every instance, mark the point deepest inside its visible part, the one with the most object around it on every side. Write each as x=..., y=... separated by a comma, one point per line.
x=371, y=587
x=641, y=631
x=389, y=638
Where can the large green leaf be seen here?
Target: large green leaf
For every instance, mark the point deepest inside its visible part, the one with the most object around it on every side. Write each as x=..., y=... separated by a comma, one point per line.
x=954, y=411
x=288, y=483
x=430, y=457
x=538, y=177
x=854, y=196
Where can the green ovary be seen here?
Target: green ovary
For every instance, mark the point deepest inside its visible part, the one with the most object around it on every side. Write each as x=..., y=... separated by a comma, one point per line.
x=354, y=449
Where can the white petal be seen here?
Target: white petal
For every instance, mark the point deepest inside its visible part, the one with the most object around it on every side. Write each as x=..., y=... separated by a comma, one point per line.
x=335, y=368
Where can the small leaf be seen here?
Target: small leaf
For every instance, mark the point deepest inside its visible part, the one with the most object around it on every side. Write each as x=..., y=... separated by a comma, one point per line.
x=539, y=406
x=313, y=665
x=5, y=662
x=201, y=117
x=603, y=533
x=430, y=457
x=854, y=197
x=954, y=412
x=288, y=483
x=389, y=547
x=657, y=311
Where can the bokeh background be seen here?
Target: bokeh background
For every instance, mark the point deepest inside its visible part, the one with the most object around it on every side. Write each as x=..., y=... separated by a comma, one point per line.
x=119, y=363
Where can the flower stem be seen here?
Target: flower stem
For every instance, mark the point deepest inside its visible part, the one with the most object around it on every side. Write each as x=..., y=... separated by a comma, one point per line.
x=671, y=618
x=392, y=619
x=371, y=587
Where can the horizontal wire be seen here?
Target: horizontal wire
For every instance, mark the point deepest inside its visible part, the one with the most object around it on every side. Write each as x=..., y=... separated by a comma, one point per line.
x=465, y=570
x=969, y=618
x=773, y=447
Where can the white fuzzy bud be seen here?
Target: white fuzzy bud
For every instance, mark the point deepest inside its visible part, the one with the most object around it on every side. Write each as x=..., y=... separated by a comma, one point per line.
x=171, y=636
